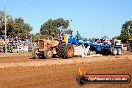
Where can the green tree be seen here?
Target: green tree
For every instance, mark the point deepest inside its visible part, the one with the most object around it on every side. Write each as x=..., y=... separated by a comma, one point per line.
x=68, y=31
x=92, y=39
x=126, y=30
x=104, y=37
x=19, y=27
x=85, y=39
x=2, y=21
x=54, y=27
x=15, y=26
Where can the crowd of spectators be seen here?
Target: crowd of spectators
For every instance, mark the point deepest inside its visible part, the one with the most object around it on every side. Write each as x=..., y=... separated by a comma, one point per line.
x=15, y=44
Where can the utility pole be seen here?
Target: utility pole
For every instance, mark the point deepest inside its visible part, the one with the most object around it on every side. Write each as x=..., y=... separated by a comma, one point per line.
x=5, y=26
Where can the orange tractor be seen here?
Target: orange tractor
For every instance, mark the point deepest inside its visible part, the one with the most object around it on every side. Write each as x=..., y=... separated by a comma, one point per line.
x=48, y=48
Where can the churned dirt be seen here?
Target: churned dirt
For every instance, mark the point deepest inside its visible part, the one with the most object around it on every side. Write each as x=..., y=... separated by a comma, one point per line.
x=24, y=72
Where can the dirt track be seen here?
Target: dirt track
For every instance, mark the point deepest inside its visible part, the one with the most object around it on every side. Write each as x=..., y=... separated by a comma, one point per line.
x=24, y=72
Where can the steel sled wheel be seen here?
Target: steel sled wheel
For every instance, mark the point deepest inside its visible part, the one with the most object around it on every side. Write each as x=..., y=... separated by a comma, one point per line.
x=59, y=50
x=35, y=53
x=48, y=53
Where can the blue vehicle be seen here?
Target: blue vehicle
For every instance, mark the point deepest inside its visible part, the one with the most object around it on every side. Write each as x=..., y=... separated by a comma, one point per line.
x=105, y=48
x=98, y=46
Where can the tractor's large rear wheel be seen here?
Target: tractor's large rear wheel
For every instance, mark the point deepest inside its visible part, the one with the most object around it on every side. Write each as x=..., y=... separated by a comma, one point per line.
x=59, y=50
x=67, y=51
x=48, y=53
x=35, y=53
